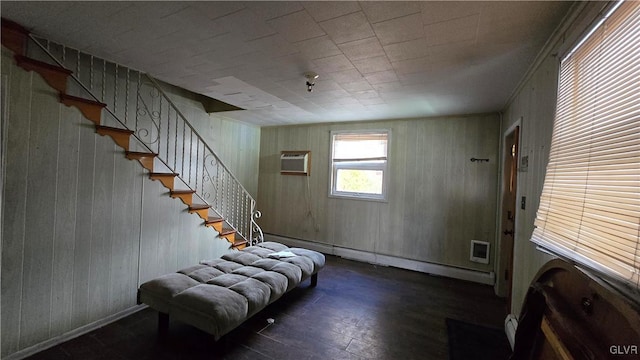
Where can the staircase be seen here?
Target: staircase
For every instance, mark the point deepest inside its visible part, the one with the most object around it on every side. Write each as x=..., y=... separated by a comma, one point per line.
x=132, y=109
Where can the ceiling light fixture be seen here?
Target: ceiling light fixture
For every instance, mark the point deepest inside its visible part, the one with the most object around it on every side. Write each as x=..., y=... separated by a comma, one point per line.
x=311, y=80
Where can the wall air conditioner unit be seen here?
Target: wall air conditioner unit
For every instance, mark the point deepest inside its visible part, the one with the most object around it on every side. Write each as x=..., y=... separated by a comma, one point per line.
x=295, y=163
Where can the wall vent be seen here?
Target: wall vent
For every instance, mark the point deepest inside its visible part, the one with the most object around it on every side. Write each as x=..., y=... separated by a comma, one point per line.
x=479, y=251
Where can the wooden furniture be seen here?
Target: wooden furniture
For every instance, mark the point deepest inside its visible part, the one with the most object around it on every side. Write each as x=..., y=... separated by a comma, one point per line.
x=570, y=314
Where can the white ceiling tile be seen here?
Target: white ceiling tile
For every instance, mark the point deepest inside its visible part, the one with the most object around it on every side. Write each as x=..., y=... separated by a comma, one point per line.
x=372, y=101
x=105, y=10
x=162, y=9
x=387, y=87
x=381, y=77
x=365, y=94
x=333, y=63
x=347, y=100
x=406, y=50
x=44, y=14
x=384, y=10
x=297, y=26
x=295, y=85
x=273, y=9
x=399, y=29
x=452, y=31
x=318, y=47
x=237, y=23
x=332, y=94
x=411, y=65
x=186, y=19
x=215, y=10
x=147, y=29
x=362, y=49
x=211, y=67
x=325, y=10
x=269, y=45
x=357, y=86
x=439, y=11
x=274, y=45
x=371, y=65
x=348, y=28
x=346, y=76
x=288, y=67
x=328, y=102
x=324, y=85
x=512, y=22
x=227, y=45
x=452, y=53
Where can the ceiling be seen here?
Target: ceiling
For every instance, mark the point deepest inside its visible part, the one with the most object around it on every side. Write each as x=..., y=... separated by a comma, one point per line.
x=375, y=60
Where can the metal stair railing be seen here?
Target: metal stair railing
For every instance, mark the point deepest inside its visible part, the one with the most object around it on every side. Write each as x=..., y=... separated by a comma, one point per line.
x=135, y=101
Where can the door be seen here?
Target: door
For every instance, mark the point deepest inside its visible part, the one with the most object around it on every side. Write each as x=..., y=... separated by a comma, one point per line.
x=508, y=216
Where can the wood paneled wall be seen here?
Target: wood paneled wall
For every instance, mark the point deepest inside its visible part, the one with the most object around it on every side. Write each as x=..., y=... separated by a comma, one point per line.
x=534, y=106
x=82, y=226
x=534, y=103
x=438, y=200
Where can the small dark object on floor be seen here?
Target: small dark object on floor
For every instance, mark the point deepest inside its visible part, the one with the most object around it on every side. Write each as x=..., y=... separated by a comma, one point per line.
x=475, y=342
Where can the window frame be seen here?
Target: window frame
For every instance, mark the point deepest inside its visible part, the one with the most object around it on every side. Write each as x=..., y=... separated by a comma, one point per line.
x=358, y=164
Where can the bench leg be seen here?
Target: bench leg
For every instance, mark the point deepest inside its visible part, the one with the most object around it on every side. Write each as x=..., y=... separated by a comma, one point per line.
x=314, y=280
x=163, y=324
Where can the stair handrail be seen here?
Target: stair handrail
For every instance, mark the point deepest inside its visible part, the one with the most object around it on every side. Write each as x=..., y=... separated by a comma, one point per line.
x=257, y=236
x=81, y=84
x=252, y=226
x=159, y=88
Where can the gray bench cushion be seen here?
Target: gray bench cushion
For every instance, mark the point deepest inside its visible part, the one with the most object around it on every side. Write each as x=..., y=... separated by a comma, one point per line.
x=218, y=295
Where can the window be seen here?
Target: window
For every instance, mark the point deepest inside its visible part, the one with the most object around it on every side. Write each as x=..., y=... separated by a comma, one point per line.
x=590, y=205
x=359, y=164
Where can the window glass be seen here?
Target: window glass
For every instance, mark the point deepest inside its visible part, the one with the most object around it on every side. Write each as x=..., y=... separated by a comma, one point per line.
x=359, y=164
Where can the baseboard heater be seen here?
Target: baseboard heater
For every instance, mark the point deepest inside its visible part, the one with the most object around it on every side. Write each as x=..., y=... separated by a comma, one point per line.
x=487, y=278
x=510, y=327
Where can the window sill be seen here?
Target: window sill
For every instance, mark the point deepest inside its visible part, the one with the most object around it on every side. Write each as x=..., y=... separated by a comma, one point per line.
x=361, y=198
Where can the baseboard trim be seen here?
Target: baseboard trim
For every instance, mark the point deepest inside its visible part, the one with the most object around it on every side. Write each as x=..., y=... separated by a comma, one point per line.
x=73, y=334
x=510, y=327
x=487, y=278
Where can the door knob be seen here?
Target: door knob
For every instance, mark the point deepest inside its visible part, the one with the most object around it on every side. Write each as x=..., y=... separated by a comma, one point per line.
x=508, y=232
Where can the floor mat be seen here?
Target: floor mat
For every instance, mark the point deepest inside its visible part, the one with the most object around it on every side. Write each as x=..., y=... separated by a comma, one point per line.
x=475, y=342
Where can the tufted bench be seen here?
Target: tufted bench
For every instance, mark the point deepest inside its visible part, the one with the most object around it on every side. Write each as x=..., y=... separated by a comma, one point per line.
x=218, y=295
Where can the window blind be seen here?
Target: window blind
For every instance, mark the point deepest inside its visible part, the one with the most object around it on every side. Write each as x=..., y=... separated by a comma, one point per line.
x=590, y=204
x=360, y=146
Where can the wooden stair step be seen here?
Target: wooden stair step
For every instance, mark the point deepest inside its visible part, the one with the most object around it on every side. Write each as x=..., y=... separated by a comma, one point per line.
x=215, y=222
x=185, y=195
x=228, y=234
x=227, y=231
x=239, y=244
x=119, y=136
x=55, y=76
x=144, y=158
x=201, y=210
x=91, y=109
x=14, y=36
x=167, y=179
x=197, y=207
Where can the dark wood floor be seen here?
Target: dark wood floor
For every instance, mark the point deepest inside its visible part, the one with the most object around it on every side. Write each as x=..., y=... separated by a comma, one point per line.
x=357, y=311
